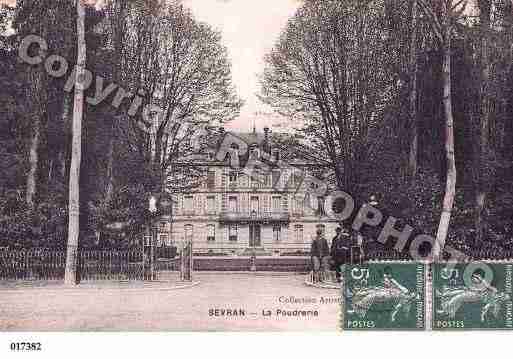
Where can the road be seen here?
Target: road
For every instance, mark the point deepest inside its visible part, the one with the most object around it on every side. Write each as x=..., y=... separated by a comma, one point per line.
x=256, y=298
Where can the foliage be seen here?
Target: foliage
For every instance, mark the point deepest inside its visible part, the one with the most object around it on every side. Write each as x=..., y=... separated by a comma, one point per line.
x=45, y=226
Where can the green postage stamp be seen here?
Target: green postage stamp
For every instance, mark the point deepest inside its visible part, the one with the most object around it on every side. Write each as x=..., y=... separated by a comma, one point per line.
x=384, y=296
x=472, y=296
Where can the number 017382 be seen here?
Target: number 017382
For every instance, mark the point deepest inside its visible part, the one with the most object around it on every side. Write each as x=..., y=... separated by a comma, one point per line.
x=25, y=346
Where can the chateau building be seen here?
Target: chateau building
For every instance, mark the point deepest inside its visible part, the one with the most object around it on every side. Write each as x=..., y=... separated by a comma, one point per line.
x=232, y=213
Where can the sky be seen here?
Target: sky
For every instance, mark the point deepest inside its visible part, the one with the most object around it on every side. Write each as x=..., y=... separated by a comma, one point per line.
x=249, y=29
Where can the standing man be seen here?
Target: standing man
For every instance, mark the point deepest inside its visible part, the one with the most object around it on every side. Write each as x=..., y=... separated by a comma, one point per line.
x=319, y=253
x=340, y=250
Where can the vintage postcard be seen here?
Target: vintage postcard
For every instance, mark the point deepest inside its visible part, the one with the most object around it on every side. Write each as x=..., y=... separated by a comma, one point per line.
x=255, y=166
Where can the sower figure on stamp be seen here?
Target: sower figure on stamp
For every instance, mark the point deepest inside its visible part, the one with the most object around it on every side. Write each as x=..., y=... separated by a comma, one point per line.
x=340, y=250
x=319, y=253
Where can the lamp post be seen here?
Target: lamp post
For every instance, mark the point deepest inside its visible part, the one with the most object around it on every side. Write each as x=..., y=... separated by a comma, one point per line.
x=152, y=207
x=253, y=230
x=373, y=201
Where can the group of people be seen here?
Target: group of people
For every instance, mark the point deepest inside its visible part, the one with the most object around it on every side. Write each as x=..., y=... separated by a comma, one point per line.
x=324, y=256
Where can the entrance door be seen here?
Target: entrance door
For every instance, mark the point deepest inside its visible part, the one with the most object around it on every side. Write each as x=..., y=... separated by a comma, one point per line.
x=254, y=235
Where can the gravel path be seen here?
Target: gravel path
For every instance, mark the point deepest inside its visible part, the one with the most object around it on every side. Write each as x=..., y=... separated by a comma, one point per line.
x=50, y=308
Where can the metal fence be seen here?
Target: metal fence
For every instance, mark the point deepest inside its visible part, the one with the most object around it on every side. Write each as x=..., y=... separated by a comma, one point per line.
x=110, y=265
x=31, y=265
x=92, y=265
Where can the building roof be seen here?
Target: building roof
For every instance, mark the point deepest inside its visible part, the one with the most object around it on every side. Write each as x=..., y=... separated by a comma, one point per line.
x=250, y=137
x=275, y=142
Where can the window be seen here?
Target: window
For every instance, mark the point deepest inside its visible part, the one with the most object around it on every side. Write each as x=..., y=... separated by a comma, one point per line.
x=200, y=143
x=254, y=180
x=211, y=179
x=276, y=207
x=298, y=206
x=233, y=178
x=297, y=179
x=164, y=239
x=320, y=206
x=163, y=226
x=232, y=233
x=233, y=155
x=277, y=233
x=211, y=204
x=159, y=242
x=255, y=152
x=188, y=232
x=298, y=232
x=322, y=227
x=187, y=143
x=276, y=178
x=276, y=155
x=211, y=233
x=233, y=205
x=255, y=204
x=188, y=204
x=263, y=179
x=267, y=180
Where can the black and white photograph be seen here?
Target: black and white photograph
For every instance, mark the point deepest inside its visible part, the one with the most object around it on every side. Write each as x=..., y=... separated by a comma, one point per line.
x=270, y=166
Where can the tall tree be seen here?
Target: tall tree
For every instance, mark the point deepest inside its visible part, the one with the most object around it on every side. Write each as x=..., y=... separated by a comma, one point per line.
x=443, y=16
x=117, y=13
x=483, y=128
x=317, y=74
x=27, y=20
x=76, y=153
x=412, y=110
x=184, y=71
x=178, y=68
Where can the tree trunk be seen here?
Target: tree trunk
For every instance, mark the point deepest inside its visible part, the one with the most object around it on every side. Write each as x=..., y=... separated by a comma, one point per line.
x=33, y=161
x=484, y=119
x=65, y=123
x=450, y=187
x=414, y=138
x=109, y=188
x=76, y=153
x=118, y=25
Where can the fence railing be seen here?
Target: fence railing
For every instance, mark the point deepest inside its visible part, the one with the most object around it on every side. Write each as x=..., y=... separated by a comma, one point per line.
x=30, y=265
x=110, y=265
x=92, y=265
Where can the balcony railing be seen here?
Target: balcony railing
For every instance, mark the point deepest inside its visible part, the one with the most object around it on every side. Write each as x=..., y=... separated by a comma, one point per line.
x=249, y=216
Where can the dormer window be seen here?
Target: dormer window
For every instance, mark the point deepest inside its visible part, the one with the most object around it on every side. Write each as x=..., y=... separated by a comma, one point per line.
x=255, y=152
x=234, y=153
x=276, y=155
x=234, y=147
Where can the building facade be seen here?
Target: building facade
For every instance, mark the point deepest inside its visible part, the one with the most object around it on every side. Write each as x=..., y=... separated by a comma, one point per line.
x=233, y=213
